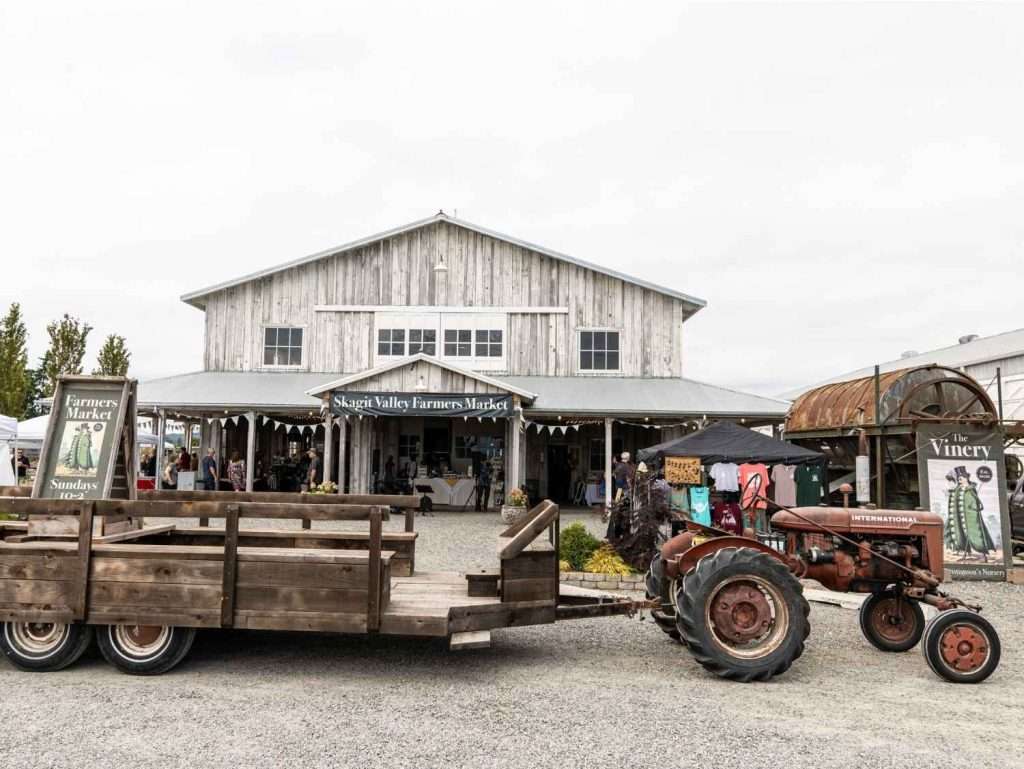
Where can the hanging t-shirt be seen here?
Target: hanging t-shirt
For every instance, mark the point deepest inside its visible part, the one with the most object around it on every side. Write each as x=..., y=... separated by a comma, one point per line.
x=808, y=485
x=727, y=516
x=785, y=484
x=748, y=492
x=726, y=476
x=679, y=499
x=700, y=508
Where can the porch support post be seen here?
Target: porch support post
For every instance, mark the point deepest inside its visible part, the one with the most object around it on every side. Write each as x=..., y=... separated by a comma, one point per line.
x=342, y=435
x=328, y=446
x=514, y=481
x=250, y=450
x=161, y=429
x=608, y=461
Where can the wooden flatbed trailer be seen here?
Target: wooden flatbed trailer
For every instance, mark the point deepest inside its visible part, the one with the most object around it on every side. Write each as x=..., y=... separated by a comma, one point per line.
x=143, y=590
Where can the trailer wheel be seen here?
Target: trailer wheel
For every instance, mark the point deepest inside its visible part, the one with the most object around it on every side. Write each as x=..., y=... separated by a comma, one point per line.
x=961, y=646
x=890, y=622
x=742, y=614
x=44, y=646
x=145, y=650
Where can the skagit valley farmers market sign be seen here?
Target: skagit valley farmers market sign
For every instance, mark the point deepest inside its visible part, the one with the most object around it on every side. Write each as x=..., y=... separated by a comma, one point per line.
x=420, y=404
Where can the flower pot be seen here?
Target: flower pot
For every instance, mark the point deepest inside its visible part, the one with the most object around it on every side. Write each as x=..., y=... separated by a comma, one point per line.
x=511, y=513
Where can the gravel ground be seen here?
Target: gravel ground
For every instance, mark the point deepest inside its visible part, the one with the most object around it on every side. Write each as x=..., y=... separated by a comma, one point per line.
x=594, y=693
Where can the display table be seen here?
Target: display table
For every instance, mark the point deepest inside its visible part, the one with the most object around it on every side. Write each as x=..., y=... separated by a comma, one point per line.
x=453, y=492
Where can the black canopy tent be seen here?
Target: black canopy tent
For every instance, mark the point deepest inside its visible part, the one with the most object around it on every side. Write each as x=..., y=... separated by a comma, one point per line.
x=729, y=442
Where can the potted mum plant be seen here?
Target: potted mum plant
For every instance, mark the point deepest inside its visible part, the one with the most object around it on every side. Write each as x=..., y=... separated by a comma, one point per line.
x=514, y=507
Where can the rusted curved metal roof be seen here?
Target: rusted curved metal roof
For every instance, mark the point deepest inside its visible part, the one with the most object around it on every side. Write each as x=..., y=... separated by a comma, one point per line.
x=922, y=392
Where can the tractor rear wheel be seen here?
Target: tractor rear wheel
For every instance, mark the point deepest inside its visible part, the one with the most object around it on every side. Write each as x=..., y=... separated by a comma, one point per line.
x=652, y=583
x=961, y=646
x=742, y=614
x=890, y=622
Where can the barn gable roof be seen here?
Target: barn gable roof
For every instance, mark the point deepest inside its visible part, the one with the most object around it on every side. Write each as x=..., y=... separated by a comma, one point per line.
x=198, y=298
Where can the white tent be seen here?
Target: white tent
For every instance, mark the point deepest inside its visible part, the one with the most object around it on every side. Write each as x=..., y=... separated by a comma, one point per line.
x=32, y=431
x=8, y=441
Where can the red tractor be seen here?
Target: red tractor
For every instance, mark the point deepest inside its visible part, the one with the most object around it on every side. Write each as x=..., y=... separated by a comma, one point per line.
x=736, y=602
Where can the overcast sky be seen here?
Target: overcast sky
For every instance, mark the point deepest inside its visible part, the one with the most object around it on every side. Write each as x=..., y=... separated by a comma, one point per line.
x=841, y=183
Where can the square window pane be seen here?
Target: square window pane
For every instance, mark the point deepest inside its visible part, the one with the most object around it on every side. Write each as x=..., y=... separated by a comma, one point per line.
x=496, y=336
x=384, y=335
x=281, y=359
x=599, y=362
x=496, y=350
x=268, y=356
x=383, y=348
x=398, y=335
x=465, y=335
x=599, y=340
x=481, y=350
x=464, y=350
x=613, y=361
x=295, y=358
x=450, y=349
x=613, y=340
x=586, y=360
x=429, y=335
x=270, y=337
x=415, y=335
x=429, y=348
x=296, y=337
x=398, y=348
x=481, y=336
x=586, y=340
x=449, y=335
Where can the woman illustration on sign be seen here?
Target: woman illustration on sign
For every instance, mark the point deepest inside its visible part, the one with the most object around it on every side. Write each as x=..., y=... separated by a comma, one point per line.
x=79, y=456
x=966, y=532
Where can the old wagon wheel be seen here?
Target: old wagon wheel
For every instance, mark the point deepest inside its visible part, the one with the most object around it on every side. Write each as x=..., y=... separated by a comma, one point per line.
x=44, y=646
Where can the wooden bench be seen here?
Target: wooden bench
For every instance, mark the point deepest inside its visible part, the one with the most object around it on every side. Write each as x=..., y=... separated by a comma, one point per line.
x=529, y=567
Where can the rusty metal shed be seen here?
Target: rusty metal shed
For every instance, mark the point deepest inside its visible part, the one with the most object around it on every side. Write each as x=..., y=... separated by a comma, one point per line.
x=903, y=397
x=885, y=409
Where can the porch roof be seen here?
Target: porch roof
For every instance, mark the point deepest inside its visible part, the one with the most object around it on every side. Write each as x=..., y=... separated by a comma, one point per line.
x=265, y=391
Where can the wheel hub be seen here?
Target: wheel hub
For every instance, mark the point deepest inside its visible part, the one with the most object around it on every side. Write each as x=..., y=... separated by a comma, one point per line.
x=39, y=637
x=963, y=648
x=141, y=640
x=741, y=612
x=891, y=621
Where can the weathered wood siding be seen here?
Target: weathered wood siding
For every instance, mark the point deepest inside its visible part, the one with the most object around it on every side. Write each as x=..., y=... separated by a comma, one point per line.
x=482, y=272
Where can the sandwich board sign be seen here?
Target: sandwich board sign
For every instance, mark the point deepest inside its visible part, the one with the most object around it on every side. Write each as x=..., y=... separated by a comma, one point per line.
x=89, y=448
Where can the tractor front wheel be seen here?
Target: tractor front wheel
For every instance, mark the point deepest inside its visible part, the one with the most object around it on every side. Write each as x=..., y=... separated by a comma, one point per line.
x=742, y=614
x=890, y=622
x=961, y=646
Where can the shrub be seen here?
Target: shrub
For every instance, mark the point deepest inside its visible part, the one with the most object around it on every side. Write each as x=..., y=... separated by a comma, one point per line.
x=576, y=545
x=564, y=566
x=516, y=498
x=606, y=561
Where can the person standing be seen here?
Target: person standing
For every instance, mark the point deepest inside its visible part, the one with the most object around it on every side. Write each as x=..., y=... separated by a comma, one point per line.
x=483, y=486
x=236, y=472
x=170, y=472
x=315, y=473
x=210, y=470
x=184, y=461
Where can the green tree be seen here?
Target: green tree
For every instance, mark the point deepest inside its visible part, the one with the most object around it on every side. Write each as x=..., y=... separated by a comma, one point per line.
x=68, y=337
x=36, y=392
x=113, y=358
x=14, y=376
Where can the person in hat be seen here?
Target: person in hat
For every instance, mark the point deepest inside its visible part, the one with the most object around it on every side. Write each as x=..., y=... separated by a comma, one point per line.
x=966, y=532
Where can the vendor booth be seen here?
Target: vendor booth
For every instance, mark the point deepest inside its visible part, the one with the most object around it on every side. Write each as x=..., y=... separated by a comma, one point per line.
x=8, y=443
x=709, y=469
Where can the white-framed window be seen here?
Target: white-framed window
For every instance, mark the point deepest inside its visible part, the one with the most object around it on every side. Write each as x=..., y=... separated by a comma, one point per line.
x=391, y=342
x=282, y=346
x=458, y=343
x=489, y=342
x=423, y=340
x=599, y=350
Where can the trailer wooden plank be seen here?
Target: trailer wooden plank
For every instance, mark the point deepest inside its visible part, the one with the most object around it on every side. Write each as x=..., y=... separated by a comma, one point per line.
x=129, y=534
x=173, y=571
x=302, y=599
x=472, y=639
x=62, y=593
x=41, y=566
x=128, y=615
x=279, y=574
x=227, y=606
x=155, y=596
x=299, y=620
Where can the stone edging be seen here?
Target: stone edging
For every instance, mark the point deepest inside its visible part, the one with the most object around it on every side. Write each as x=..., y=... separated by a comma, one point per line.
x=634, y=582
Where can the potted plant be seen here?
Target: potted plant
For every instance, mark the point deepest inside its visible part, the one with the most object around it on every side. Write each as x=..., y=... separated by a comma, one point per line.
x=514, y=507
x=327, y=487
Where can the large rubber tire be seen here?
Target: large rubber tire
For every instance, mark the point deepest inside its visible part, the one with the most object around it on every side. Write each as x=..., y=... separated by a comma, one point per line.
x=961, y=646
x=652, y=586
x=41, y=647
x=754, y=580
x=145, y=650
x=884, y=628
